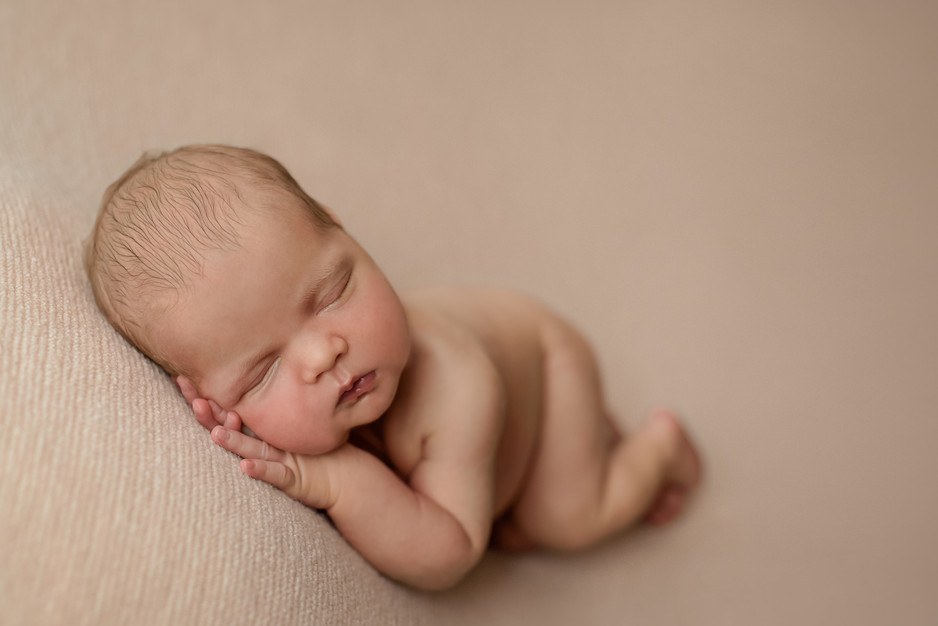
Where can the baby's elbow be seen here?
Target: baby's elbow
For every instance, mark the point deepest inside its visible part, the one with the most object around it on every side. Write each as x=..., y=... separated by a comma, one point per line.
x=441, y=579
x=448, y=567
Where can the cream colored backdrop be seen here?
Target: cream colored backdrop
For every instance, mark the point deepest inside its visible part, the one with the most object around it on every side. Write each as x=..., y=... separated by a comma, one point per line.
x=737, y=201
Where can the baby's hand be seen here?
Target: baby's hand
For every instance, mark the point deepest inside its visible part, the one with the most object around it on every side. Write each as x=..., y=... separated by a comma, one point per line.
x=207, y=412
x=302, y=477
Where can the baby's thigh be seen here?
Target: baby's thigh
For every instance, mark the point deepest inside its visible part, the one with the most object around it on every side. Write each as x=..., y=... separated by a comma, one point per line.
x=576, y=435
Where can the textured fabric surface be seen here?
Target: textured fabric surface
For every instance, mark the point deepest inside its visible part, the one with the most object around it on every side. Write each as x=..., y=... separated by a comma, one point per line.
x=115, y=509
x=737, y=204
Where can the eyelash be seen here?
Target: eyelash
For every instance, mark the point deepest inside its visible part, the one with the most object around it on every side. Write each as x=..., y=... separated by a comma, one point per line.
x=344, y=285
x=268, y=373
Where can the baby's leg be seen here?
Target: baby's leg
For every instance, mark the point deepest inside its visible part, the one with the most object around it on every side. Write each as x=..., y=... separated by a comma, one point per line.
x=586, y=483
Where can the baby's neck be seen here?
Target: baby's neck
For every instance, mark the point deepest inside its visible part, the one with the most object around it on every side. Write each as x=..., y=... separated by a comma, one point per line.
x=370, y=438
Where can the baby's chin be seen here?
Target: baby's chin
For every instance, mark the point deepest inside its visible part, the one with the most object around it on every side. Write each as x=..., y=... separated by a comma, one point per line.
x=367, y=413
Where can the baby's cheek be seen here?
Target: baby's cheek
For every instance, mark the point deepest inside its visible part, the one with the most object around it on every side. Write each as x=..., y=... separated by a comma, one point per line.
x=271, y=422
x=253, y=419
x=249, y=426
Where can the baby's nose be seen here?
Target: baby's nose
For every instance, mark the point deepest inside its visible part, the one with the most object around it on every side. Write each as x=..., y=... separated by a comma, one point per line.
x=320, y=355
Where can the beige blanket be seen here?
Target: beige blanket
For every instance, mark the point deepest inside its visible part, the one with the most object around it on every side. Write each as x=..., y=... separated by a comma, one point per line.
x=736, y=203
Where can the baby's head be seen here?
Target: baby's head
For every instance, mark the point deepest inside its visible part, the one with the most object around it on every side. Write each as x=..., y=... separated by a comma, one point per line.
x=160, y=219
x=216, y=264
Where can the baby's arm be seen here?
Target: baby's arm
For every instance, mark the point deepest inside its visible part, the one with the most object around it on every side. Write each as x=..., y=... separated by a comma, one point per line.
x=403, y=532
x=427, y=534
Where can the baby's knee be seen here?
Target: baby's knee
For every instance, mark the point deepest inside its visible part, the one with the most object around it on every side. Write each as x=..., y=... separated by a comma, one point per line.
x=571, y=535
x=564, y=526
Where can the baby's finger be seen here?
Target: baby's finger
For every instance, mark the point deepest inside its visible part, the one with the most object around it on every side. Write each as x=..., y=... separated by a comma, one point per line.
x=219, y=413
x=187, y=389
x=244, y=446
x=203, y=413
x=232, y=421
x=228, y=419
x=276, y=474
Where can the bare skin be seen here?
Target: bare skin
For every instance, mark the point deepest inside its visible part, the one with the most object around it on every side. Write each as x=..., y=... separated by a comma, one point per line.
x=498, y=416
x=427, y=427
x=419, y=423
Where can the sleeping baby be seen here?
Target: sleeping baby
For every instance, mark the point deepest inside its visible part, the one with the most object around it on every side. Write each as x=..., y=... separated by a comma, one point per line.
x=427, y=425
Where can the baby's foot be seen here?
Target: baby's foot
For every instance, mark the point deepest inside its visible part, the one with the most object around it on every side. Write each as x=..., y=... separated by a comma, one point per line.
x=683, y=474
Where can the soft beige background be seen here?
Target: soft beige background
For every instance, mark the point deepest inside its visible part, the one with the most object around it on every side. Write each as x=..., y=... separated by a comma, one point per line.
x=737, y=201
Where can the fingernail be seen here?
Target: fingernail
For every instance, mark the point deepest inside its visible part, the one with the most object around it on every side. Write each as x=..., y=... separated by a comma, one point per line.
x=220, y=435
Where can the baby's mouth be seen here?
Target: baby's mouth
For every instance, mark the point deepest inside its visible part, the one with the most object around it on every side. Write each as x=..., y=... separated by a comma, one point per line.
x=357, y=388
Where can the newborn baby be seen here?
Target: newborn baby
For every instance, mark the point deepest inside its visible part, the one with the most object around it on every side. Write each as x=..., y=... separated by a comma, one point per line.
x=425, y=425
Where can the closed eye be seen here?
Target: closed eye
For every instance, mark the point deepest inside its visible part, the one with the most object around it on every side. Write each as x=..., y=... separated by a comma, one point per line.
x=339, y=293
x=265, y=377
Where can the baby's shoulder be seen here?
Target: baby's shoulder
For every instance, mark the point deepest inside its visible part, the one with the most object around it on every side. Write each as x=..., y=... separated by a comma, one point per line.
x=447, y=345
x=482, y=311
x=508, y=326
x=452, y=394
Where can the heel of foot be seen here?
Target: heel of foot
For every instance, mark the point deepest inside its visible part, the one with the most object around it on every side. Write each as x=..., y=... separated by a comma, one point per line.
x=667, y=505
x=686, y=466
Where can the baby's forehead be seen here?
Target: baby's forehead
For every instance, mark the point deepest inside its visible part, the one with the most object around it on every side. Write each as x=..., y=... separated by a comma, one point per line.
x=277, y=263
